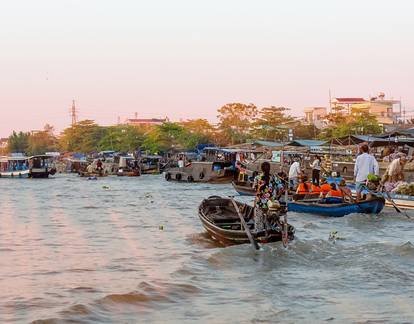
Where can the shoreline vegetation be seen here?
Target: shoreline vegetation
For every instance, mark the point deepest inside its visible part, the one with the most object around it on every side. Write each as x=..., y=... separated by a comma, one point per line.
x=237, y=123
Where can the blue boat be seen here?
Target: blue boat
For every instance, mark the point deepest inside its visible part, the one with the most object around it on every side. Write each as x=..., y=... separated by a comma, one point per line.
x=340, y=209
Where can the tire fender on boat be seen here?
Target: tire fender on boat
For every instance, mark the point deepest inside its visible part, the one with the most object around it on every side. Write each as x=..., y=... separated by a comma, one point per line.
x=178, y=176
x=201, y=175
x=190, y=179
x=168, y=176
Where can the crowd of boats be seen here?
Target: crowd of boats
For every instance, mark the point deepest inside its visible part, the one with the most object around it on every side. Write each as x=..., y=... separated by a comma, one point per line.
x=225, y=219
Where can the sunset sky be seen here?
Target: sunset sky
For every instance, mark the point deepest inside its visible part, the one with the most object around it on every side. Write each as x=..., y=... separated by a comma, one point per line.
x=184, y=59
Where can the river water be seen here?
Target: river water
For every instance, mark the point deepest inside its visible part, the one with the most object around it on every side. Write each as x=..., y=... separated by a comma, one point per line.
x=127, y=250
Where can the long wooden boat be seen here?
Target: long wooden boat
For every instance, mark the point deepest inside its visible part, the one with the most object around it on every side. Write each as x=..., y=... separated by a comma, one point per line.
x=222, y=222
x=243, y=188
x=211, y=172
x=317, y=207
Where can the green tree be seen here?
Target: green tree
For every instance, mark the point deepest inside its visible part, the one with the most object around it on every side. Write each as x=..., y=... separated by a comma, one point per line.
x=122, y=138
x=83, y=137
x=43, y=141
x=18, y=142
x=301, y=131
x=236, y=121
x=358, y=124
x=271, y=123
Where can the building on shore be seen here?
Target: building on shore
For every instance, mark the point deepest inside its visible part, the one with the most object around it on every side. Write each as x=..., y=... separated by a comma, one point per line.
x=387, y=111
x=316, y=116
x=145, y=121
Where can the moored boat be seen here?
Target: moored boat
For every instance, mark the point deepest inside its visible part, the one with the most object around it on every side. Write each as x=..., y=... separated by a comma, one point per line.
x=373, y=205
x=222, y=223
x=212, y=172
x=26, y=167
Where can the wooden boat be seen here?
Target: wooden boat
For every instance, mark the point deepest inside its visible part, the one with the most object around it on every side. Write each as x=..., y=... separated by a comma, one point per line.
x=92, y=174
x=243, y=188
x=222, y=222
x=333, y=209
x=150, y=164
x=212, y=172
x=400, y=200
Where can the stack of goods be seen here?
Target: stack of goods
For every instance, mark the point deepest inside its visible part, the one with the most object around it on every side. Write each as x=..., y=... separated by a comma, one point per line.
x=404, y=188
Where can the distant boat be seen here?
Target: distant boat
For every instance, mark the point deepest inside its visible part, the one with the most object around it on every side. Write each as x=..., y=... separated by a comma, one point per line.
x=339, y=209
x=36, y=166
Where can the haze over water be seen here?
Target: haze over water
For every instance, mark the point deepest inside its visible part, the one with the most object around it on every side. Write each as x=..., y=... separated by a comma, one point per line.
x=71, y=250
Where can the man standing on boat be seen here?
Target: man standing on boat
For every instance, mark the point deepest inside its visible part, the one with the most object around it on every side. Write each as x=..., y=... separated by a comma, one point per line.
x=294, y=173
x=365, y=164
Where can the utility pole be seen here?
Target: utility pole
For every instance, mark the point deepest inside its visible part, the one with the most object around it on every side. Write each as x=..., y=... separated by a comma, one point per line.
x=73, y=114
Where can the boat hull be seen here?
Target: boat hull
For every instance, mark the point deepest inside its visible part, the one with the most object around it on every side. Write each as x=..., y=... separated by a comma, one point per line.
x=243, y=188
x=15, y=174
x=373, y=206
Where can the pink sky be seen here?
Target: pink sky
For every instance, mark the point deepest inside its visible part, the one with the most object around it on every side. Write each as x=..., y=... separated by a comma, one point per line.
x=184, y=59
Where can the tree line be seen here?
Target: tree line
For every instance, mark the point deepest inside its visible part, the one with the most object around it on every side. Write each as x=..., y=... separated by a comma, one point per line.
x=237, y=123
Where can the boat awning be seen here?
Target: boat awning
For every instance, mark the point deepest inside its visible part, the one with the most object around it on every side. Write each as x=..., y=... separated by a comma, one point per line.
x=270, y=144
x=307, y=143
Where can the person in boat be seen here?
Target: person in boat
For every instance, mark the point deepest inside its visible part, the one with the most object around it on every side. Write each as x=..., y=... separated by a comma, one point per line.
x=283, y=177
x=99, y=165
x=89, y=168
x=304, y=186
x=335, y=191
x=394, y=172
x=315, y=189
x=316, y=169
x=346, y=192
x=325, y=187
x=294, y=173
x=365, y=164
x=267, y=193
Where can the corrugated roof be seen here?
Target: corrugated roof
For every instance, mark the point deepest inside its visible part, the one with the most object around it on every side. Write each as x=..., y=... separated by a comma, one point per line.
x=307, y=143
x=350, y=100
x=270, y=144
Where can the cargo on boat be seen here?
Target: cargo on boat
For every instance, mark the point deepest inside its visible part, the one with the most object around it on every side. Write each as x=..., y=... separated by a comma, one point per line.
x=222, y=223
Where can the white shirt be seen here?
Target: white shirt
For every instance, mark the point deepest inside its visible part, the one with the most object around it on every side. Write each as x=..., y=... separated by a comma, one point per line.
x=294, y=170
x=316, y=164
x=364, y=165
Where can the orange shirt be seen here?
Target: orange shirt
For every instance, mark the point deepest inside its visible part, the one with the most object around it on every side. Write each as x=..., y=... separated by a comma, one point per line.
x=315, y=189
x=302, y=189
x=335, y=193
x=325, y=188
